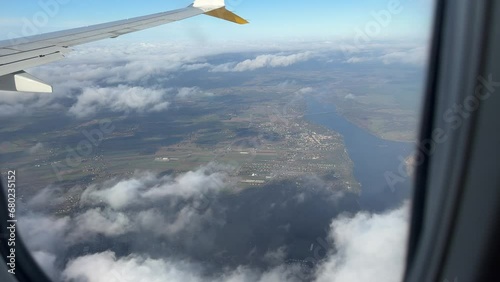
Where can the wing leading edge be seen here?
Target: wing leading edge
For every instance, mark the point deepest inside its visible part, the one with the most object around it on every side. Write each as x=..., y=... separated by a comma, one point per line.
x=19, y=54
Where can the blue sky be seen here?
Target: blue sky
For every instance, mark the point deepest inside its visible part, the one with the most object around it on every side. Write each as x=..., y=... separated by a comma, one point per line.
x=270, y=19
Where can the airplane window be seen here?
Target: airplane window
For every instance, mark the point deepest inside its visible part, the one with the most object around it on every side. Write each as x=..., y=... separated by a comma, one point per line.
x=204, y=150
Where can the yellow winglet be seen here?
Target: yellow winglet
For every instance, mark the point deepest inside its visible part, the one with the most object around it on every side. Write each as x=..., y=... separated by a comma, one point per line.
x=223, y=13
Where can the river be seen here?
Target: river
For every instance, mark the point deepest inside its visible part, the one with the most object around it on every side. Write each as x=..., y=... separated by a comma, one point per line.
x=373, y=157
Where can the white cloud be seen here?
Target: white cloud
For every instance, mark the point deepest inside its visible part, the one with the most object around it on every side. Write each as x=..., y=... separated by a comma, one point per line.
x=17, y=104
x=354, y=60
x=100, y=221
x=107, y=267
x=369, y=247
x=276, y=274
x=409, y=55
x=306, y=90
x=192, y=92
x=201, y=181
x=350, y=96
x=144, y=204
x=119, y=195
x=414, y=56
x=36, y=148
x=187, y=220
x=119, y=99
x=44, y=233
x=48, y=196
x=264, y=61
x=144, y=187
x=47, y=262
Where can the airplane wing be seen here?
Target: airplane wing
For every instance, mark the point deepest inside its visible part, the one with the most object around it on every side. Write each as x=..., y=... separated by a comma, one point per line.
x=16, y=55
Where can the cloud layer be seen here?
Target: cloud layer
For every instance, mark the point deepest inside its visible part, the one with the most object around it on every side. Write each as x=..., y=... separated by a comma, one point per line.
x=412, y=56
x=138, y=78
x=154, y=217
x=119, y=99
x=369, y=247
x=264, y=61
